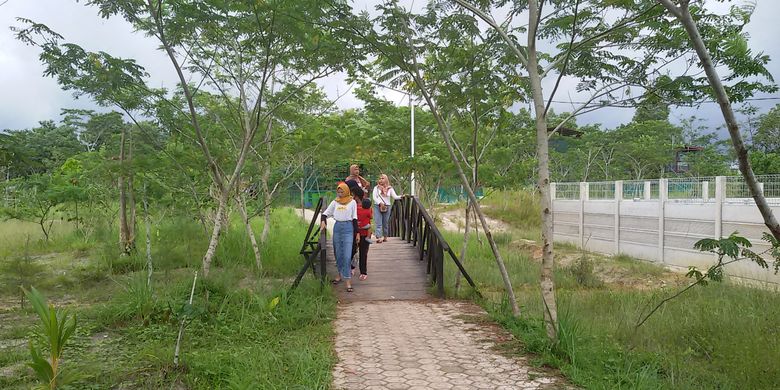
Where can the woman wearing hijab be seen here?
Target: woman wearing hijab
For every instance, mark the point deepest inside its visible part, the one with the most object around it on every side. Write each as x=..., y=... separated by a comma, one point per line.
x=383, y=193
x=354, y=174
x=344, y=210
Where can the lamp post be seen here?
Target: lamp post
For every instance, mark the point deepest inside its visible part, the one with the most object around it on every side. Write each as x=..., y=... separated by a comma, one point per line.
x=412, y=183
x=411, y=109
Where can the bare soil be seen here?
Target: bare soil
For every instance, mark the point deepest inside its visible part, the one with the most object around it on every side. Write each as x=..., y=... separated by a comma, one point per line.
x=610, y=272
x=455, y=221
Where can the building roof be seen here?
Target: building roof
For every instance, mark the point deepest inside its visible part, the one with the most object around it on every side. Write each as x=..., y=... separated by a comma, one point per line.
x=566, y=131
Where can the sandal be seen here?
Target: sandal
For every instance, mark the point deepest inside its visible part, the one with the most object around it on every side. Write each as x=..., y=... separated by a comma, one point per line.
x=363, y=277
x=335, y=281
x=350, y=289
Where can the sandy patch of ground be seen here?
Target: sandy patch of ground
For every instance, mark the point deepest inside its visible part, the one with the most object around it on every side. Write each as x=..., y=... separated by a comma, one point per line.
x=609, y=271
x=455, y=221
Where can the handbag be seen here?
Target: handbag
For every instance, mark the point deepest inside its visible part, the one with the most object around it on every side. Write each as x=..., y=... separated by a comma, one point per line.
x=382, y=208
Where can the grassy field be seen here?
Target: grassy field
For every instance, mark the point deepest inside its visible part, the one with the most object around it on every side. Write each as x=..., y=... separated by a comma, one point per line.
x=126, y=333
x=721, y=336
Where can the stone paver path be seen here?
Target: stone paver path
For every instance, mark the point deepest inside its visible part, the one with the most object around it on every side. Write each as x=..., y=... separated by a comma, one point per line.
x=424, y=345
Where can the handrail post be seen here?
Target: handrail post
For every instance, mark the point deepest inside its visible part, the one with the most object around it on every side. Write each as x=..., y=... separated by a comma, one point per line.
x=440, y=272
x=409, y=211
x=323, y=256
x=316, y=250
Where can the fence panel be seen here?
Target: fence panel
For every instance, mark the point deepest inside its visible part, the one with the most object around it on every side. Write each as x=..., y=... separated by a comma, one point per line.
x=660, y=220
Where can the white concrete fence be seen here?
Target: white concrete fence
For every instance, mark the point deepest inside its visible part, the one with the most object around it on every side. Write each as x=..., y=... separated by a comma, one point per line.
x=660, y=220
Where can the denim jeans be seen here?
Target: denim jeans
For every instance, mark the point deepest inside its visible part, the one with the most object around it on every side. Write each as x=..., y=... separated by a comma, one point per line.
x=382, y=221
x=343, y=237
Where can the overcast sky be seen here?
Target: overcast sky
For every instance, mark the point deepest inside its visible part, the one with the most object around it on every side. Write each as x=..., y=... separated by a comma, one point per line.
x=27, y=97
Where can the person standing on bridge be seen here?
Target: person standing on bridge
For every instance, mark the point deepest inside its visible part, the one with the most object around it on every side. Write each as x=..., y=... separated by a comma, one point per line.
x=364, y=229
x=354, y=174
x=344, y=210
x=357, y=194
x=382, y=194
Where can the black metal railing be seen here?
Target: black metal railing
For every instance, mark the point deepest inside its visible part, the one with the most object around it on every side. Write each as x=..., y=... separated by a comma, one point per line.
x=313, y=247
x=410, y=221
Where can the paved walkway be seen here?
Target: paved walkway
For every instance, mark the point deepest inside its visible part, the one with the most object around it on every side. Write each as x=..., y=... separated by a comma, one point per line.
x=390, y=334
x=424, y=345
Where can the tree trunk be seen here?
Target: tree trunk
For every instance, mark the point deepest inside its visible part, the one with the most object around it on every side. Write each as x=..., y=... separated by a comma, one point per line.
x=684, y=15
x=303, y=190
x=474, y=173
x=266, y=214
x=78, y=225
x=303, y=204
x=124, y=230
x=264, y=181
x=128, y=163
x=149, y=265
x=250, y=232
x=464, y=247
x=42, y=222
x=209, y=255
x=445, y=133
x=183, y=323
x=547, y=283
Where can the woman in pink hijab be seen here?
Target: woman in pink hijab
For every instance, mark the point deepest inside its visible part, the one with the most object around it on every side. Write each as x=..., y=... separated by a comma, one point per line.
x=382, y=195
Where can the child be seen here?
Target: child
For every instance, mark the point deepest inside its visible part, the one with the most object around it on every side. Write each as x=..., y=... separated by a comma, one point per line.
x=364, y=216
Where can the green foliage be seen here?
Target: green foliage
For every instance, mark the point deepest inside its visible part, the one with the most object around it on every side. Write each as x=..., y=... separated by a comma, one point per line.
x=734, y=247
x=765, y=163
x=767, y=134
x=136, y=301
x=518, y=208
x=39, y=150
x=681, y=347
x=56, y=328
x=651, y=108
x=248, y=334
x=582, y=270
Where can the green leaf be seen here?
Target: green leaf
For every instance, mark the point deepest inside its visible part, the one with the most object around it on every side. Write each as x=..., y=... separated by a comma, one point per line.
x=756, y=258
x=694, y=273
x=40, y=366
x=273, y=303
x=706, y=244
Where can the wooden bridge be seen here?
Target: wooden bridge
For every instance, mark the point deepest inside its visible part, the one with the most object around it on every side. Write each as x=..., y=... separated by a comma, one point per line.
x=402, y=268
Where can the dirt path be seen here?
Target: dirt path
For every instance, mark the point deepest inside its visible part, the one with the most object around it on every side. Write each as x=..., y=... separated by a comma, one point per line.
x=425, y=345
x=455, y=221
x=604, y=267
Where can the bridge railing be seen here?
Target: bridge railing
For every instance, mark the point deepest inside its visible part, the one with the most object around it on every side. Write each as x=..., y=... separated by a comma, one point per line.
x=410, y=221
x=313, y=247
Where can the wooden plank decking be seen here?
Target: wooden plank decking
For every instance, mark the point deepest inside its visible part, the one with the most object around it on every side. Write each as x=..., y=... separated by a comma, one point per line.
x=395, y=272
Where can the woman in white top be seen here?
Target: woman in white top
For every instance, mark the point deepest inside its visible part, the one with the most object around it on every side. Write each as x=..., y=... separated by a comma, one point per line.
x=344, y=211
x=382, y=195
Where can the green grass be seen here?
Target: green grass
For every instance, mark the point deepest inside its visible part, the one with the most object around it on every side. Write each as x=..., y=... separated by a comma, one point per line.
x=638, y=266
x=126, y=333
x=519, y=209
x=721, y=336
